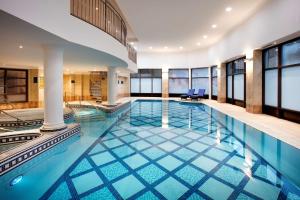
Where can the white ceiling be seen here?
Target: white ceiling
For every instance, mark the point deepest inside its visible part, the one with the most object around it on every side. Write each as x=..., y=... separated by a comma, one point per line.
x=183, y=23
x=15, y=32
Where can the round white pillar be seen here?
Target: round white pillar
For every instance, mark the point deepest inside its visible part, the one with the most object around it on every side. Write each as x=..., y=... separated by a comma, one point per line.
x=112, y=86
x=53, y=90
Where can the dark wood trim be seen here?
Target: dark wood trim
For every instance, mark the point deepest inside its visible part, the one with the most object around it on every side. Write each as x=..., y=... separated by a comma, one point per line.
x=278, y=111
x=214, y=97
x=232, y=100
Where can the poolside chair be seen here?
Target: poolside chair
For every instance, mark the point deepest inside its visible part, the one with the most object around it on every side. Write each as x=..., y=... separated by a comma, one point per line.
x=200, y=94
x=188, y=95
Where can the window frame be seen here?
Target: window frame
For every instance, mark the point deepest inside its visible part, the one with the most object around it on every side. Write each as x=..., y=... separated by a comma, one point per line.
x=200, y=77
x=278, y=111
x=214, y=97
x=183, y=78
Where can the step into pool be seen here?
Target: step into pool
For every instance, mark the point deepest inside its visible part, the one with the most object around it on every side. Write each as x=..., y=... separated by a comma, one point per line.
x=161, y=150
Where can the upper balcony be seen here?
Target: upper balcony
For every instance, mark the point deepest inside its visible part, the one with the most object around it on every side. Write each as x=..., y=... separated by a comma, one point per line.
x=102, y=14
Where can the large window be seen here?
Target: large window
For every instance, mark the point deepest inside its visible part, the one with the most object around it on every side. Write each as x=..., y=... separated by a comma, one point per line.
x=178, y=81
x=214, y=82
x=200, y=79
x=13, y=85
x=147, y=82
x=236, y=82
x=281, y=80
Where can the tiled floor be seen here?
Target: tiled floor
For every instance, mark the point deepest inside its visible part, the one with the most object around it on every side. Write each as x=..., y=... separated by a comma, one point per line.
x=193, y=157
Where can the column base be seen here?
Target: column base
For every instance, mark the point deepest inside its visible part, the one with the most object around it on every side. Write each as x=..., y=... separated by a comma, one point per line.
x=53, y=127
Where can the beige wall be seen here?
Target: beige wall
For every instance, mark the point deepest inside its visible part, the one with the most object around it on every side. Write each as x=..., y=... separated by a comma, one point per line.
x=123, y=89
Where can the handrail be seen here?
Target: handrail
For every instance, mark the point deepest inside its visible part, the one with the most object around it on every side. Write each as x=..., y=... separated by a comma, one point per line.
x=18, y=119
x=102, y=14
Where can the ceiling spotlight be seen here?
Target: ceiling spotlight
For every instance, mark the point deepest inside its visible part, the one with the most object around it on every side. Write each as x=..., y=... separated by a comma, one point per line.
x=214, y=26
x=166, y=47
x=20, y=47
x=228, y=9
x=180, y=47
x=205, y=36
x=198, y=43
x=150, y=47
x=97, y=8
x=132, y=43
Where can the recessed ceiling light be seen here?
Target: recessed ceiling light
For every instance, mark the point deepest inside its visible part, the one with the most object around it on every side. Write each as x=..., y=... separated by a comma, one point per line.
x=205, y=36
x=20, y=47
x=214, y=26
x=132, y=43
x=166, y=47
x=97, y=8
x=198, y=43
x=228, y=9
x=150, y=47
x=180, y=47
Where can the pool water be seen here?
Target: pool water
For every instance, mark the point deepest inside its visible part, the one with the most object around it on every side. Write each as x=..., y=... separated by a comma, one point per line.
x=162, y=150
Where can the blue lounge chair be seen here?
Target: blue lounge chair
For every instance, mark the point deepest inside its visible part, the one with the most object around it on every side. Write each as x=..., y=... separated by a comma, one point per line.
x=201, y=93
x=188, y=95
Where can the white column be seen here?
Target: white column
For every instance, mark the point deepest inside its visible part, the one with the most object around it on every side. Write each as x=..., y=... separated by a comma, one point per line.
x=112, y=86
x=53, y=91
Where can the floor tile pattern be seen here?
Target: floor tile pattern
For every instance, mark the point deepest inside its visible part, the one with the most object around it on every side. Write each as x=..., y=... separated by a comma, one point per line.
x=186, y=155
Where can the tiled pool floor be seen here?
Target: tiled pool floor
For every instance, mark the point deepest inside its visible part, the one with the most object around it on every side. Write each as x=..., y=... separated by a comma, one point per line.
x=170, y=151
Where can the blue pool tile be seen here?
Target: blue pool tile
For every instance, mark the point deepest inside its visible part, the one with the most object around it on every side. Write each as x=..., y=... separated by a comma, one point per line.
x=120, y=132
x=158, y=130
x=113, y=143
x=147, y=196
x=135, y=161
x=140, y=145
x=217, y=154
x=190, y=175
x=168, y=146
x=169, y=162
x=179, y=131
x=113, y=170
x=292, y=196
x=237, y=162
x=86, y=182
x=62, y=192
x=181, y=140
x=262, y=189
x=130, y=138
x=208, y=140
x=122, y=186
x=151, y=173
x=197, y=146
x=171, y=189
x=108, y=137
x=102, y=158
x=192, y=135
x=103, y=193
x=244, y=197
x=83, y=166
x=154, y=153
x=185, y=154
x=168, y=135
x=123, y=151
x=205, y=163
x=144, y=134
x=97, y=149
x=268, y=173
x=155, y=139
x=230, y=175
x=215, y=189
x=195, y=196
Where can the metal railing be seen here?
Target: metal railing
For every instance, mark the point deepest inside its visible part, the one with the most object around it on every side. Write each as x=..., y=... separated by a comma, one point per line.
x=102, y=14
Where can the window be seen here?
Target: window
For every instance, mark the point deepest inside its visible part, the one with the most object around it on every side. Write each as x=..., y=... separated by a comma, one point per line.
x=214, y=82
x=13, y=85
x=200, y=79
x=281, y=80
x=236, y=82
x=178, y=81
x=147, y=82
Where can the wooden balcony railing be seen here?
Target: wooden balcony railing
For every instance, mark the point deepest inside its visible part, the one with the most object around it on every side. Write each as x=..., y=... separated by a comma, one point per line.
x=101, y=14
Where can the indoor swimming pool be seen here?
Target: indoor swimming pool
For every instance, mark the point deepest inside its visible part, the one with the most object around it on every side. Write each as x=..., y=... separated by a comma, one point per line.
x=160, y=150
